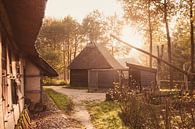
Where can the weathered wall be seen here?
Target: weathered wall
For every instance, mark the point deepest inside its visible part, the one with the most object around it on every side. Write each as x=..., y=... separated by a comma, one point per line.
x=102, y=79
x=32, y=82
x=79, y=78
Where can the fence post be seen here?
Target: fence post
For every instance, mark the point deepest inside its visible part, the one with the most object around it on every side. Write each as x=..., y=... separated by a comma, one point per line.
x=167, y=122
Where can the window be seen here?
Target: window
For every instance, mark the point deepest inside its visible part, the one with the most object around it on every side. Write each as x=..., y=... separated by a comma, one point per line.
x=14, y=91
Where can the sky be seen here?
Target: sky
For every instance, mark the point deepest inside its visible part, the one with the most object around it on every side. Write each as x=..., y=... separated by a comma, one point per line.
x=80, y=8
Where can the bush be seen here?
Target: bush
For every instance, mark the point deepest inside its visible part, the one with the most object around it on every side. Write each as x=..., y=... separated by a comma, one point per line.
x=50, y=81
x=134, y=110
x=147, y=110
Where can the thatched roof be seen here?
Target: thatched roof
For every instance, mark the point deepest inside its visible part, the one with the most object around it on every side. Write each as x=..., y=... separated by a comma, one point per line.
x=95, y=56
x=22, y=20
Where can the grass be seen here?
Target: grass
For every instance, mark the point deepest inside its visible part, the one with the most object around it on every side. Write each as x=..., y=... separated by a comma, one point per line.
x=104, y=115
x=75, y=87
x=61, y=100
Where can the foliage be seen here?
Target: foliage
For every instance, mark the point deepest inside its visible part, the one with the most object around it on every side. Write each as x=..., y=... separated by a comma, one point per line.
x=104, y=115
x=150, y=110
x=50, y=81
x=60, y=41
x=62, y=101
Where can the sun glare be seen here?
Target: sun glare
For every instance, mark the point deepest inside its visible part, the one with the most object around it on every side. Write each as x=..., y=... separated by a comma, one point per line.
x=133, y=37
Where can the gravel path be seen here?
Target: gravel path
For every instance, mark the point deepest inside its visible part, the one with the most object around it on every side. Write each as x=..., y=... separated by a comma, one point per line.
x=80, y=97
x=53, y=118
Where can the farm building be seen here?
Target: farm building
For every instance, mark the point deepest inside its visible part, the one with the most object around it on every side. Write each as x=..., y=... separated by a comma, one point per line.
x=141, y=77
x=21, y=67
x=94, y=68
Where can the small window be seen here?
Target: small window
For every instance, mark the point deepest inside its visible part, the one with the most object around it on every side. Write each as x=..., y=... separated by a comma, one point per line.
x=14, y=92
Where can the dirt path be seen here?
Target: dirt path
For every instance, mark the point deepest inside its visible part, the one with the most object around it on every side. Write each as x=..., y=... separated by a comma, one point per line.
x=80, y=97
x=53, y=118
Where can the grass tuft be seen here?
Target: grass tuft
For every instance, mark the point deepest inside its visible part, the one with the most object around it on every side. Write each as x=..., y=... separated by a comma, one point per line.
x=104, y=115
x=62, y=101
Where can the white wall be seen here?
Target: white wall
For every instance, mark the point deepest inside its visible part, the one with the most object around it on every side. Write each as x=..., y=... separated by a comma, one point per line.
x=32, y=82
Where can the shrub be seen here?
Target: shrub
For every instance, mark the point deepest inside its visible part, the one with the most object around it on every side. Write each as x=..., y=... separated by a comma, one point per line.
x=149, y=110
x=134, y=110
x=50, y=81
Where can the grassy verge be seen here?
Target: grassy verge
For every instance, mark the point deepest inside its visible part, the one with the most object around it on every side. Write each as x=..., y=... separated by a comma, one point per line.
x=72, y=87
x=61, y=100
x=104, y=115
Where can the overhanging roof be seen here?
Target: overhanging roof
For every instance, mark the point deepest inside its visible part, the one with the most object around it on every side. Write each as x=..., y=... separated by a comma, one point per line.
x=25, y=19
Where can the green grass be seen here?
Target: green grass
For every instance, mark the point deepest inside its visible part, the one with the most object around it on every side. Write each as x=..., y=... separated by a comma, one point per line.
x=74, y=87
x=61, y=100
x=104, y=115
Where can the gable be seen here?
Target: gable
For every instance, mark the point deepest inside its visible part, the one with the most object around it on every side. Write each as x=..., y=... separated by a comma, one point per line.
x=90, y=58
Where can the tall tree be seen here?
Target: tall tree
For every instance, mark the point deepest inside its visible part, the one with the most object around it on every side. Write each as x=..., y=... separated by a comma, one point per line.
x=94, y=27
x=192, y=40
x=145, y=13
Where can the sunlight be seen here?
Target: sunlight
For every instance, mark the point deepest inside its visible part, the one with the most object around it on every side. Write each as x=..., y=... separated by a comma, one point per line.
x=133, y=37
x=80, y=8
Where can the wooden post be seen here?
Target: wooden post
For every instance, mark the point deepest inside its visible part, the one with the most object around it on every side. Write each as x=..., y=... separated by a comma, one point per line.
x=21, y=65
x=130, y=77
x=9, y=75
x=192, y=46
x=158, y=69
x=160, y=56
x=145, y=52
x=1, y=90
x=185, y=87
x=167, y=117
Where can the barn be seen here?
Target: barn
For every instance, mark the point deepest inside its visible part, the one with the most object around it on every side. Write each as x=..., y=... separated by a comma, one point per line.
x=94, y=68
x=141, y=77
x=21, y=67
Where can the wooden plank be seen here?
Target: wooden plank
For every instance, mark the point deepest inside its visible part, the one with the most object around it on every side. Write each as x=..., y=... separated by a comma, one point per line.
x=145, y=52
x=9, y=79
x=1, y=88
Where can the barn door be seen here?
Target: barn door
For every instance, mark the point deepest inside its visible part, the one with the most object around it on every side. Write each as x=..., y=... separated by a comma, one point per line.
x=92, y=80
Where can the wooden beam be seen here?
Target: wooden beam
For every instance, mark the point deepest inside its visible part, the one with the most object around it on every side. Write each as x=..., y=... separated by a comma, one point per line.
x=9, y=79
x=1, y=87
x=145, y=52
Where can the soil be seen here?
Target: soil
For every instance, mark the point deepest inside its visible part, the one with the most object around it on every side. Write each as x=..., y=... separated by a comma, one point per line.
x=53, y=118
x=80, y=97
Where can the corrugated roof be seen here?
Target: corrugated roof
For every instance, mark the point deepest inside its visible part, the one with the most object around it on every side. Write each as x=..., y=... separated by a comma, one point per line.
x=95, y=56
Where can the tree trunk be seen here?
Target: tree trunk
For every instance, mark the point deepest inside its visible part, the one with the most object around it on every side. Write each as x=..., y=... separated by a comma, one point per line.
x=64, y=61
x=192, y=42
x=150, y=32
x=75, y=46
x=169, y=44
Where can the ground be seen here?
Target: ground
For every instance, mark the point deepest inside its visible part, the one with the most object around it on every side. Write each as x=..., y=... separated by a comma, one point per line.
x=56, y=119
x=53, y=118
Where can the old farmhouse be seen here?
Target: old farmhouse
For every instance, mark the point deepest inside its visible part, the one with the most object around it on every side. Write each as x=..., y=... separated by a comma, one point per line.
x=21, y=67
x=94, y=68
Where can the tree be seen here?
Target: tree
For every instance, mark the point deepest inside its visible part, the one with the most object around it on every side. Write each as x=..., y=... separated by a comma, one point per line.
x=58, y=42
x=145, y=13
x=94, y=27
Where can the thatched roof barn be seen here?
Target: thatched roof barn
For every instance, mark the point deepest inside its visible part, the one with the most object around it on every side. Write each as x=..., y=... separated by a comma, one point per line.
x=93, y=57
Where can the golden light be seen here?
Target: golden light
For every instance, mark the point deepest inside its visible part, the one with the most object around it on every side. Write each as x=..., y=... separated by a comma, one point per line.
x=131, y=35
x=80, y=8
